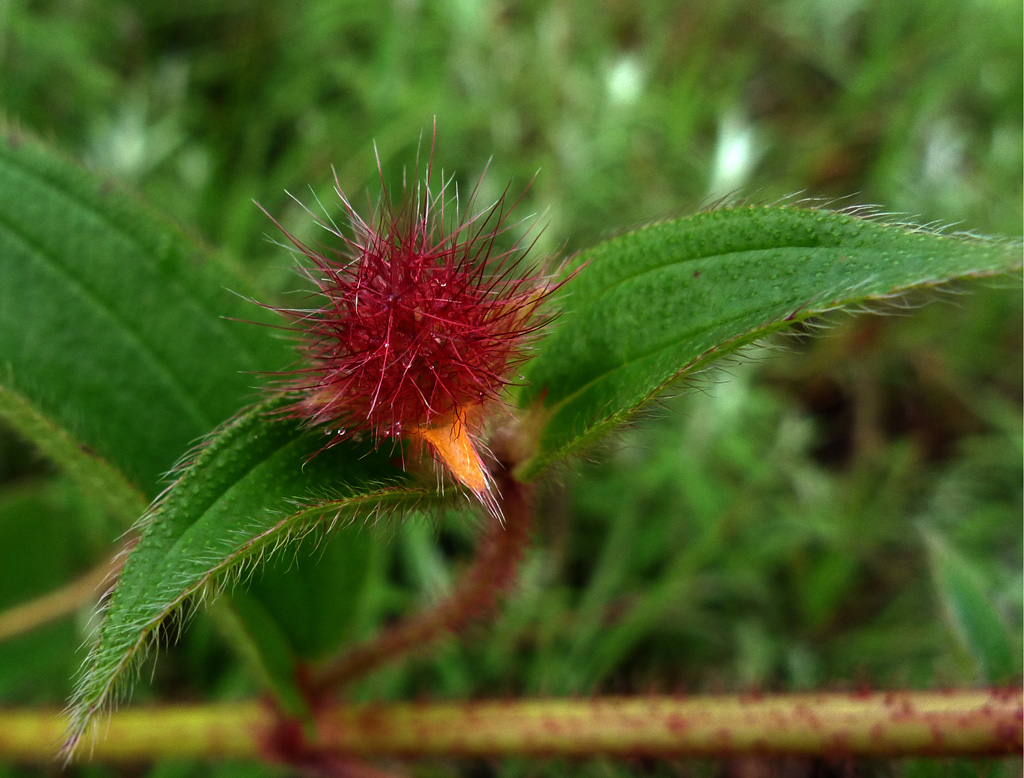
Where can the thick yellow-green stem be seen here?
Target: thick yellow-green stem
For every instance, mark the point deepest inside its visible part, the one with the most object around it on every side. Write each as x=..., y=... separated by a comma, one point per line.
x=948, y=723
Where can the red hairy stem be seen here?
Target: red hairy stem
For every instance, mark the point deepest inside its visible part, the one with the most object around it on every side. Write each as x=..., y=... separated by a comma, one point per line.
x=877, y=724
x=492, y=573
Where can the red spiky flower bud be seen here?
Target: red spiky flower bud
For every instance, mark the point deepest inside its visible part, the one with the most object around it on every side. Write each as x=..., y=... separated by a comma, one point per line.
x=422, y=323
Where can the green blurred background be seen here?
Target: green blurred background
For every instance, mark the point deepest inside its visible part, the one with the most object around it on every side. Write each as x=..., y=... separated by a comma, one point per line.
x=834, y=511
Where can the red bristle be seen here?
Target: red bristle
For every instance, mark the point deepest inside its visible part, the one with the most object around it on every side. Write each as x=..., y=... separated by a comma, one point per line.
x=422, y=319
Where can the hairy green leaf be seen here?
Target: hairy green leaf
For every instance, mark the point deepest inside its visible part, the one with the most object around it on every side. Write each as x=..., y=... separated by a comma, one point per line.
x=114, y=327
x=258, y=481
x=654, y=305
x=116, y=350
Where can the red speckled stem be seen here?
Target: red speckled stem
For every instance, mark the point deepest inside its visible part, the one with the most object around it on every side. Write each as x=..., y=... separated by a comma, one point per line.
x=880, y=724
x=493, y=572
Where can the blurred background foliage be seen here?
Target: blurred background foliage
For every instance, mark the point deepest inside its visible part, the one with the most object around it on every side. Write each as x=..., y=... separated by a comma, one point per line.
x=843, y=511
